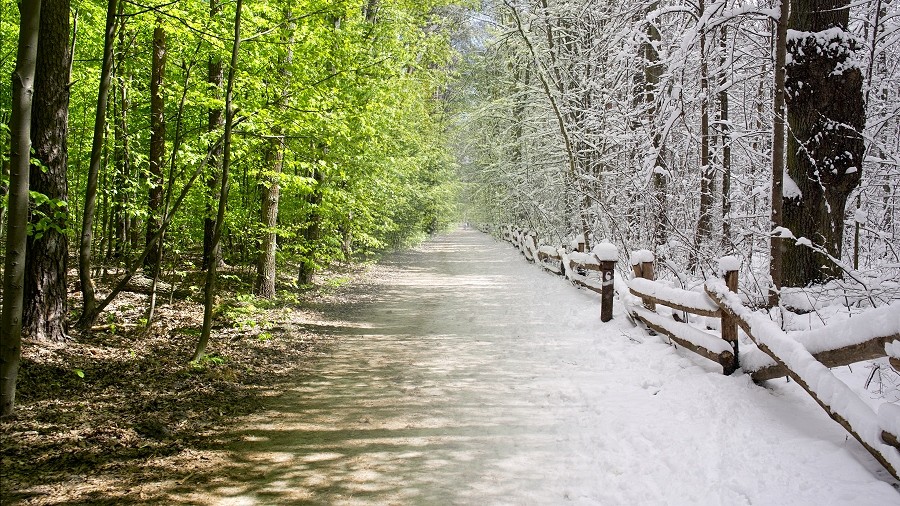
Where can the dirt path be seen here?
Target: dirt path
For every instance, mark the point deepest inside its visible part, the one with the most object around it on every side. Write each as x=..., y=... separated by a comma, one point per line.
x=469, y=377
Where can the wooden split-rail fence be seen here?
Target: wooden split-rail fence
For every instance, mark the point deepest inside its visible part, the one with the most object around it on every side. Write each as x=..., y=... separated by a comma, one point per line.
x=805, y=357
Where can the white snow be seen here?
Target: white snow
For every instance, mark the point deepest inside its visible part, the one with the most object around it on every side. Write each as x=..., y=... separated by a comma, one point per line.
x=878, y=322
x=549, y=250
x=686, y=298
x=729, y=263
x=606, y=252
x=583, y=258
x=789, y=189
x=641, y=256
x=889, y=418
x=893, y=349
x=688, y=333
x=820, y=380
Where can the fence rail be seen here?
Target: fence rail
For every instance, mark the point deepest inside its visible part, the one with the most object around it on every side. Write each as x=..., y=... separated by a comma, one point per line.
x=805, y=357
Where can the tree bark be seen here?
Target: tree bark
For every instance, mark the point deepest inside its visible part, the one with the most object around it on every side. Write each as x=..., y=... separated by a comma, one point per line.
x=89, y=298
x=775, y=242
x=270, y=188
x=20, y=149
x=157, y=148
x=826, y=114
x=47, y=252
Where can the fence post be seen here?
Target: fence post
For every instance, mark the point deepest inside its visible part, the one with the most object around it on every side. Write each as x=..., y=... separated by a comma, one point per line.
x=647, y=272
x=729, y=266
x=607, y=254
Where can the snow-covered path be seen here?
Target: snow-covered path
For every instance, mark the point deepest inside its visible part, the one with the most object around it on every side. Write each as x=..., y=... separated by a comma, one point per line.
x=475, y=378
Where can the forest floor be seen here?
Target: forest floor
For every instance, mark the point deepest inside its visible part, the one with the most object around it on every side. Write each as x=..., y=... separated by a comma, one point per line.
x=105, y=413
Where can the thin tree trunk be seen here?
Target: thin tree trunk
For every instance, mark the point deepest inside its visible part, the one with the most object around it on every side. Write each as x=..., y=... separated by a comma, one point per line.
x=775, y=245
x=652, y=73
x=47, y=252
x=215, y=123
x=20, y=151
x=157, y=148
x=725, y=126
x=120, y=155
x=210, y=295
x=176, y=145
x=704, y=220
x=89, y=302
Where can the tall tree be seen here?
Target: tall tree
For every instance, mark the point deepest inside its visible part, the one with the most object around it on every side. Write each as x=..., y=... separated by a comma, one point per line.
x=776, y=243
x=707, y=171
x=826, y=114
x=157, y=149
x=20, y=151
x=89, y=298
x=215, y=122
x=270, y=186
x=210, y=285
x=121, y=216
x=48, y=246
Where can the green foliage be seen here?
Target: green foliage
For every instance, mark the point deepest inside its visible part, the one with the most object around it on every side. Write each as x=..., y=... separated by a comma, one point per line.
x=357, y=104
x=206, y=362
x=53, y=214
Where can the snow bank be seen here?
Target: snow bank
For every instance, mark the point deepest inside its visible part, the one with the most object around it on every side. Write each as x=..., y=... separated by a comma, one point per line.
x=836, y=397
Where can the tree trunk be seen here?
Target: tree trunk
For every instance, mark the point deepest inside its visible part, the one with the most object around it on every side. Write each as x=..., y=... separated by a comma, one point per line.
x=652, y=72
x=20, y=149
x=311, y=232
x=89, y=299
x=210, y=292
x=826, y=114
x=157, y=148
x=4, y=173
x=270, y=191
x=120, y=155
x=704, y=219
x=216, y=122
x=725, y=126
x=270, y=188
x=776, y=243
x=45, y=306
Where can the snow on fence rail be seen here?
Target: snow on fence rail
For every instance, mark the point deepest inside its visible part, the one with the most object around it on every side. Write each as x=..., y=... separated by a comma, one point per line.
x=805, y=357
x=877, y=433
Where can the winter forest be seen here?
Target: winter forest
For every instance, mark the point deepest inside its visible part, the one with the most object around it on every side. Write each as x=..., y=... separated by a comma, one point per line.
x=177, y=176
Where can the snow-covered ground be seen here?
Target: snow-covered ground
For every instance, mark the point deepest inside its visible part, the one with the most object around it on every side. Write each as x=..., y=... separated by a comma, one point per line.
x=476, y=378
